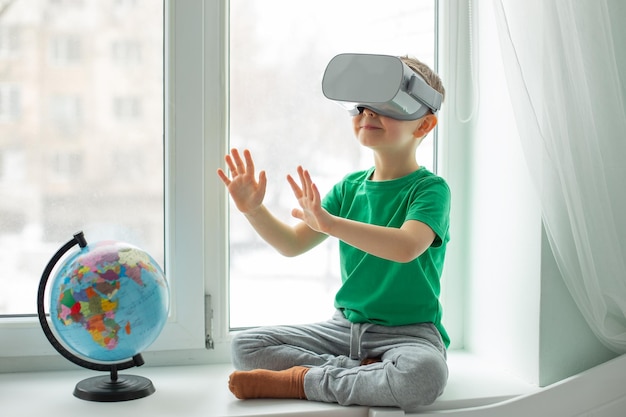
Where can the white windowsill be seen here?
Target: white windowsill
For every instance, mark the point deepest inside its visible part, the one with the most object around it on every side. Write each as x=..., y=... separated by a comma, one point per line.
x=202, y=390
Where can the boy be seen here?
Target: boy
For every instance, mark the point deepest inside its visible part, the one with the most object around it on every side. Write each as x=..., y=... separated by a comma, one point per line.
x=385, y=345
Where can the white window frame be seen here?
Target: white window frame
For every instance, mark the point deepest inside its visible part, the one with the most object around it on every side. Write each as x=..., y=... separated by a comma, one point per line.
x=195, y=209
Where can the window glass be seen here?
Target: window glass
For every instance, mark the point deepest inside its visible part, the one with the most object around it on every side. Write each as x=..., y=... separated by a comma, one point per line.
x=81, y=133
x=278, y=52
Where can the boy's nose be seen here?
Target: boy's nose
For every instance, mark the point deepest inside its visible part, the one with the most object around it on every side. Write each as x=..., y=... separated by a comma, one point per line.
x=369, y=112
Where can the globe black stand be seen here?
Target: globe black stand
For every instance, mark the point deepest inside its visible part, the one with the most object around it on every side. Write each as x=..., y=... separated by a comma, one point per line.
x=110, y=388
x=114, y=387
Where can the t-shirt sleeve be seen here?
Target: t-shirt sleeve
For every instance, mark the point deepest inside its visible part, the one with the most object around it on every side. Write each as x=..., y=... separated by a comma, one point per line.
x=431, y=205
x=331, y=201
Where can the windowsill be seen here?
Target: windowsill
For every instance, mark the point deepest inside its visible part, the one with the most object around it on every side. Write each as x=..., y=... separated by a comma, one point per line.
x=202, y=391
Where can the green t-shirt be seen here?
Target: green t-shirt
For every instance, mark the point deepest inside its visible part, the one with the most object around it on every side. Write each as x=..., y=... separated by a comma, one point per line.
x=380, y=291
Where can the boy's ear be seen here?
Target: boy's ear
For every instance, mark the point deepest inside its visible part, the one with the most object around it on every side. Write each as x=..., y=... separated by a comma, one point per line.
x=427, y=124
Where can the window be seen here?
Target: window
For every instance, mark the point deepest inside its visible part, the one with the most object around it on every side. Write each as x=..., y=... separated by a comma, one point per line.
x=278, y=52
x=9, y=42
x=127, y=108
x=66, y=176
x=12, y=166
x=113, y=181
x=126, y=52
x=9, y=102
x=64, y=167
x=65, y=49
x=66, y=113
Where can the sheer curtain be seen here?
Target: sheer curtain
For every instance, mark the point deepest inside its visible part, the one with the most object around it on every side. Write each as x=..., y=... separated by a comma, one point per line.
x=565, y=63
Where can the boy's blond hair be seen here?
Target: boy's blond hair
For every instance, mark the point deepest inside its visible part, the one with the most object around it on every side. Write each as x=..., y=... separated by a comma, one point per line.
x=426, y=73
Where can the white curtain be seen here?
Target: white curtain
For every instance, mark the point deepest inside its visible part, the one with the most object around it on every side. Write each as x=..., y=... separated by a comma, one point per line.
x=565, y=63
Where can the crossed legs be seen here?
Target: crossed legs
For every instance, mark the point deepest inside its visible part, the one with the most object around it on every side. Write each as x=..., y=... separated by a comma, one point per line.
x=401, y=366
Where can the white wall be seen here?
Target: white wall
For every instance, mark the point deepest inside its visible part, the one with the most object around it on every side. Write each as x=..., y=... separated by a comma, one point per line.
x=495, y=215
x=567, y=344
x=506, y=222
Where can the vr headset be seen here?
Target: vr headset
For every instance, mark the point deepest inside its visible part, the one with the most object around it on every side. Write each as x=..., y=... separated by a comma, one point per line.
x=382, y=83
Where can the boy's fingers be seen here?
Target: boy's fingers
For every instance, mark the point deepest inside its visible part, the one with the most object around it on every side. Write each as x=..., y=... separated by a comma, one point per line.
x=223, y=176
x=249, y=162
x=294, y=186
x=307, y=178
x=303, y=181
x=262, y=180
x=240, y=167
x=231, y=165
x=316, y=194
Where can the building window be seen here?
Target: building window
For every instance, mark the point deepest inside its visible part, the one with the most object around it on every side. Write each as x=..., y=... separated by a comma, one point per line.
x=66, y=166
x=127, y=108
x=126, y=52
x=10, y=102
x=66, y=112
x=9, y=42
x=66, y=50
x=12, y=166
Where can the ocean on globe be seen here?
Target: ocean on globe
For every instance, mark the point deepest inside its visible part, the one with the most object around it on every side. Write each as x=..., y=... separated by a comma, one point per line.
x=109, y=301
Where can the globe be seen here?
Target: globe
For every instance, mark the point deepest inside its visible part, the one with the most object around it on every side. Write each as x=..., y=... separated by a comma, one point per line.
x=109, y=301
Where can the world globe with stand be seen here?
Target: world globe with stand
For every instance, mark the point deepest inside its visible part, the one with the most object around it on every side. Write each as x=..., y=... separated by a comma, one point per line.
x=109, y=301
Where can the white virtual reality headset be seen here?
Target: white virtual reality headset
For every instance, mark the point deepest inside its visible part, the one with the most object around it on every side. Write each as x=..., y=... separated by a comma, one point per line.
x=382, y=83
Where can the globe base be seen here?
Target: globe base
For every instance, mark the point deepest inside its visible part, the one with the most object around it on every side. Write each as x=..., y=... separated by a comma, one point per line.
x=108, y=389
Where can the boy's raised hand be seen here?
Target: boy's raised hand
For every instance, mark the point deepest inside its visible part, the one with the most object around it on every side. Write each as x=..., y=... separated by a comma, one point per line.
x=246, y=192
x=311, y=211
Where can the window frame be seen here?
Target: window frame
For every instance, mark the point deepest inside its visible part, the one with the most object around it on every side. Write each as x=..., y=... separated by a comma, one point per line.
x=192, y=124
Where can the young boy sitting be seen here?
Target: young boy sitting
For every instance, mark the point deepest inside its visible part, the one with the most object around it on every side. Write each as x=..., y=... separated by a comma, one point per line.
x=385, y=345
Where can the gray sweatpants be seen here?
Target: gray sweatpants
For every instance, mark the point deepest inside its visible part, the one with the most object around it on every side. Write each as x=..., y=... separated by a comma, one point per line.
x=413, y=370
